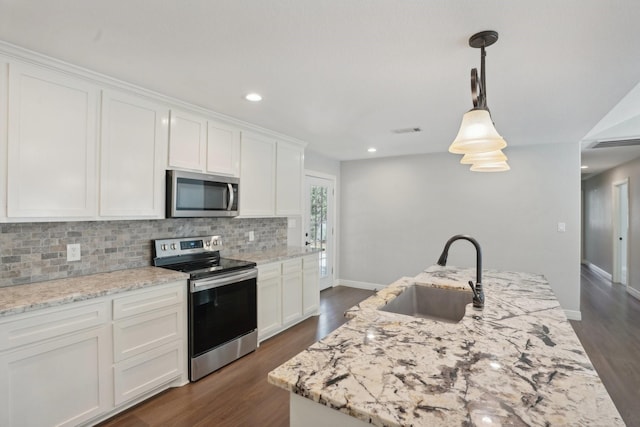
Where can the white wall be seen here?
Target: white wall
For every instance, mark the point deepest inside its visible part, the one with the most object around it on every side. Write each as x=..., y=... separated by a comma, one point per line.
x=397, y=213
x=598, y=221
x=317, y=162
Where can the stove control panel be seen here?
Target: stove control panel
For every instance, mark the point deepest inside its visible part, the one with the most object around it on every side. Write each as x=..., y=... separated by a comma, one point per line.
x=187, y=245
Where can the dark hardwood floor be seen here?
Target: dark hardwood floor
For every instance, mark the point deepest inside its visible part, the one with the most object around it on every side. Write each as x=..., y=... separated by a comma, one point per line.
x=610, y=333
x=238, y=394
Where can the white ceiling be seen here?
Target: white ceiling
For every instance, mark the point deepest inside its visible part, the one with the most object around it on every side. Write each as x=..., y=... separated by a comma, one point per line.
x=342, y=74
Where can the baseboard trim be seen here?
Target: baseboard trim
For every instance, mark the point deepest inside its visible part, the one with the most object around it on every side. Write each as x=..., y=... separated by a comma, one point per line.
x=633, y=292
x=599, y=270
x=360, y=285
x=573, y=314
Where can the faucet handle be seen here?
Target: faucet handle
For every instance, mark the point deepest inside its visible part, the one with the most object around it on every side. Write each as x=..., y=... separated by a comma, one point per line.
x=478, y=295
x=473, y=289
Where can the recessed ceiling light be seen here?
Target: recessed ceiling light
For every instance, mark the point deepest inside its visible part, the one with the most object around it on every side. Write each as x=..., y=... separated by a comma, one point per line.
x=372, y=150
x=584, y=167
x=253, y=97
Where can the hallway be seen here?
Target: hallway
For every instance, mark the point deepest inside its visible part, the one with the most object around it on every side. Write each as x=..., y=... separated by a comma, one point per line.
x=610, y=333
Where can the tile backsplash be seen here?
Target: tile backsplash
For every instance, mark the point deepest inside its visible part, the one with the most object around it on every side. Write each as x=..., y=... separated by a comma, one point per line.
x=35, y=252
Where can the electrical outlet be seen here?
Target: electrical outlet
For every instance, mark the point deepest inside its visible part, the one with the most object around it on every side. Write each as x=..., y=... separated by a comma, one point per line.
x=73, y=252
x=562, y=227
x=251, y=236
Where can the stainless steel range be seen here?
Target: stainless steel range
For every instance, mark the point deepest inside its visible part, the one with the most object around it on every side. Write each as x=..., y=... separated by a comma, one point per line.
x=222, y=301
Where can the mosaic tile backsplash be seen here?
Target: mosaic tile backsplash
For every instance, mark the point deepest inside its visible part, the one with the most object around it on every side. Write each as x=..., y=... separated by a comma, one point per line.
x=36, y=252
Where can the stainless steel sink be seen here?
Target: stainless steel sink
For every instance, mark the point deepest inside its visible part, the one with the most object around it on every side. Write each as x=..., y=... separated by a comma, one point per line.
x=447, y=305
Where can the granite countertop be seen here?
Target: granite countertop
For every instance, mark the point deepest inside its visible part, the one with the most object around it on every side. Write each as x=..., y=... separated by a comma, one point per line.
x=35, y=296
x=517, y=362
x=273, y=255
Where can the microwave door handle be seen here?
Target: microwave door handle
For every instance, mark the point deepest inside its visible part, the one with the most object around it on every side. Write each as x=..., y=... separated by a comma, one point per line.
x=231, y=196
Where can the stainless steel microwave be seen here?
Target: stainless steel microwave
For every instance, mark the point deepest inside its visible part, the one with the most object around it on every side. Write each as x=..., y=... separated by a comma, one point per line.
x=193, y=195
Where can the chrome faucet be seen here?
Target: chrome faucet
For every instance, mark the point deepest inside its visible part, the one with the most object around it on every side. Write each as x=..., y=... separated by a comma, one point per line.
x=478, y=294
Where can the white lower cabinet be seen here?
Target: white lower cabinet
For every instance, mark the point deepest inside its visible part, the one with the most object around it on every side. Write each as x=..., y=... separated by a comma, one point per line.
x=291, y=291
x=269, y=300
x=83, y=362
x=283, y=297
x=55, y=367
x=148, y=341
x=141, y=374
x=310, y=284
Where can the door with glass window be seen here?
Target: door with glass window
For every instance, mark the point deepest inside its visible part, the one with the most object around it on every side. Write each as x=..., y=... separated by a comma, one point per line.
x=319, y=224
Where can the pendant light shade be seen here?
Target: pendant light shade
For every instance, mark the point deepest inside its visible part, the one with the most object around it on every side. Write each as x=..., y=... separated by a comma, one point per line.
x=490, y=167
x=477, y=134
x=477, y=137
x=488, y=157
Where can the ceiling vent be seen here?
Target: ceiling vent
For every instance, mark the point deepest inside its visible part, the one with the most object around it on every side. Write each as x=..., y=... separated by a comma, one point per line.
x=618, y=143
x=407, y=130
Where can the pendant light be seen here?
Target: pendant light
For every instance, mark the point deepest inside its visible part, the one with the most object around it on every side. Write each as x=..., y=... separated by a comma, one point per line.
x=477, y=134
x=488, y=157
x=490, y=167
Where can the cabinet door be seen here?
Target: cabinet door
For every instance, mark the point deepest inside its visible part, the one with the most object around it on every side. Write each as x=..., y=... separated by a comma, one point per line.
x=187, y=141
x=291, y=290
x=59, y=382
x=291, y=297
x=269, y=300
x=132, y=153
x=257, y=175
x=289, y=177
x=223, y=149
x=310, y=285
x=51, y=145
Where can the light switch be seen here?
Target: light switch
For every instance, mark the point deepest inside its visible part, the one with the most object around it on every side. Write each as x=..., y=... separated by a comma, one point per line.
x=251, y=236
x=562, y=227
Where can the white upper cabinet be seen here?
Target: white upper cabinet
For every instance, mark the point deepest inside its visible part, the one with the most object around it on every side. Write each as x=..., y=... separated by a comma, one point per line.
x=271, y=176
x=51, y=145
x=257, y=175
x=289, y=178
x=133, y=150
x=223, y=149
x=187, y=141
x=201, y=145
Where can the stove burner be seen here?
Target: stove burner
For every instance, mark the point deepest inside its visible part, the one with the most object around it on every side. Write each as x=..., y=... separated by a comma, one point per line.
x=197, y=256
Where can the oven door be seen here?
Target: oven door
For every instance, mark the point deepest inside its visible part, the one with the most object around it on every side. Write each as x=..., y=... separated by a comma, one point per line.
x=222, y=308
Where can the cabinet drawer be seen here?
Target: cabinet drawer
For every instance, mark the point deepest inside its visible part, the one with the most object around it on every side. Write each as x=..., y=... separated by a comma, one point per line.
x=147, y=371
x=150, y=300
x=268, y=271
x=33, y=328
x=292, y=266
x=138, y=334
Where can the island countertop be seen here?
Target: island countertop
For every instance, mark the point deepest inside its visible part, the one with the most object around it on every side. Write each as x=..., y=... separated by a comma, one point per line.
x=516, y=362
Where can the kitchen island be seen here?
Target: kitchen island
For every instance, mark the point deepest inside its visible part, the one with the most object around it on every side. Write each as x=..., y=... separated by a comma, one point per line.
x=516, y=362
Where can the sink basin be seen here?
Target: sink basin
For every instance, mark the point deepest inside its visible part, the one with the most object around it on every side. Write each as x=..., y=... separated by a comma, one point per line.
x=447, y=305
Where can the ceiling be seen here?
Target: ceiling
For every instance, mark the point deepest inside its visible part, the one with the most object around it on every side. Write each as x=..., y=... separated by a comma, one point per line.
x=343, y=74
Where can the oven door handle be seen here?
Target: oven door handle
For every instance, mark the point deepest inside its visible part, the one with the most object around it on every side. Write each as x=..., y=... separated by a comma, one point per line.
x=222, y=280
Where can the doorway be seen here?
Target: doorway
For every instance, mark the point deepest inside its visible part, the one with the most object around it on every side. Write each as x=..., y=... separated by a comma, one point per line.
x=620, y=231
x=319, y=222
